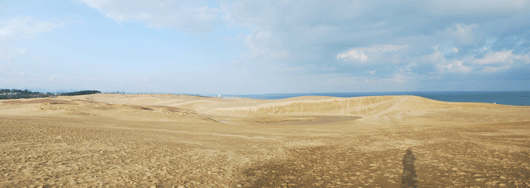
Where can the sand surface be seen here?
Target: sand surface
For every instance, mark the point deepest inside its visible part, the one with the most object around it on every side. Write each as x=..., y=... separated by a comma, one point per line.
x=113, y=140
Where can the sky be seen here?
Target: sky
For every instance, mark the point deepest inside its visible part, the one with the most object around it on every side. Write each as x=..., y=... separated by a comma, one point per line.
x=258, y=47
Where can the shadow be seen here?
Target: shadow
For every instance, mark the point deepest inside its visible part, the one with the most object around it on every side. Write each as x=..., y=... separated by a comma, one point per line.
x=409, y=177
x=324, y=166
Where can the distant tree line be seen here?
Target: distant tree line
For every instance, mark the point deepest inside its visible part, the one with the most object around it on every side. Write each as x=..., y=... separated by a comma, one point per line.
x=18, y=91
x=84, y=92
x=24, y=94
x=116, y=92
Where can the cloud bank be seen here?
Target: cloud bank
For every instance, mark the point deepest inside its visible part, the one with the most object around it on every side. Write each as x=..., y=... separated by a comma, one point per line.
x=416, y=45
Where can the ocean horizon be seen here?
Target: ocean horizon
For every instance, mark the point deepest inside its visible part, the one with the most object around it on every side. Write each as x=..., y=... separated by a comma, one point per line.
x=518, y=98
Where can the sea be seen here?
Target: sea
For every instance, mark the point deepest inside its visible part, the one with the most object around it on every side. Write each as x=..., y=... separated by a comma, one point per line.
x=518, y=98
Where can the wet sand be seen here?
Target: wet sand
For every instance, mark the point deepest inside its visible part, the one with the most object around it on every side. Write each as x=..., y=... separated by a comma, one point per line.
x=113, y=140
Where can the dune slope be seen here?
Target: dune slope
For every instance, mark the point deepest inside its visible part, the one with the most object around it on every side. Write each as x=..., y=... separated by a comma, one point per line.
x=175, y=140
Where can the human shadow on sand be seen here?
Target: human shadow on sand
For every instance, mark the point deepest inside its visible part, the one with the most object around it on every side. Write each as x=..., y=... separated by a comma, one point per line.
x=409, y=177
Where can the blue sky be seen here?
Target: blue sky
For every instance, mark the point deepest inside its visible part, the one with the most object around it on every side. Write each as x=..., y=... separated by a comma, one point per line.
x=255, y=47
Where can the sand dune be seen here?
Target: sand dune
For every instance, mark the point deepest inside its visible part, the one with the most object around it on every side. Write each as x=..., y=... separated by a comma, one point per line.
x=120, y=140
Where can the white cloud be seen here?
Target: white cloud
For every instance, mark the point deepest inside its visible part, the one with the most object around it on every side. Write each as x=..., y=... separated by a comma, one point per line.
x=186, y=15
x=438, y=59
x=494, y=69
x=503, y=57
x=353, y=55
x=456, y=66
x=469, y=63
x=408, y=68
x=464, y=34
x=316, y=34
x=263, y=45
x=360, y=53
x=25, y=25
x=309, y=30
x=288, y=26
x=495, y=57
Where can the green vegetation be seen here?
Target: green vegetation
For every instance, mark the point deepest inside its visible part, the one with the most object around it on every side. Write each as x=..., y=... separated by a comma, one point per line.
x=84, y=92
x=17, y=94
x=24, y=94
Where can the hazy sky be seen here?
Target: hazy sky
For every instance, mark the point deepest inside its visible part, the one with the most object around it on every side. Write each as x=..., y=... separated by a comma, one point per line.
x=254, y=47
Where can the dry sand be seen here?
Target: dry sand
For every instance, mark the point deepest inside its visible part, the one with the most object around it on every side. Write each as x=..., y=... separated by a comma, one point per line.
x=112, y=140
